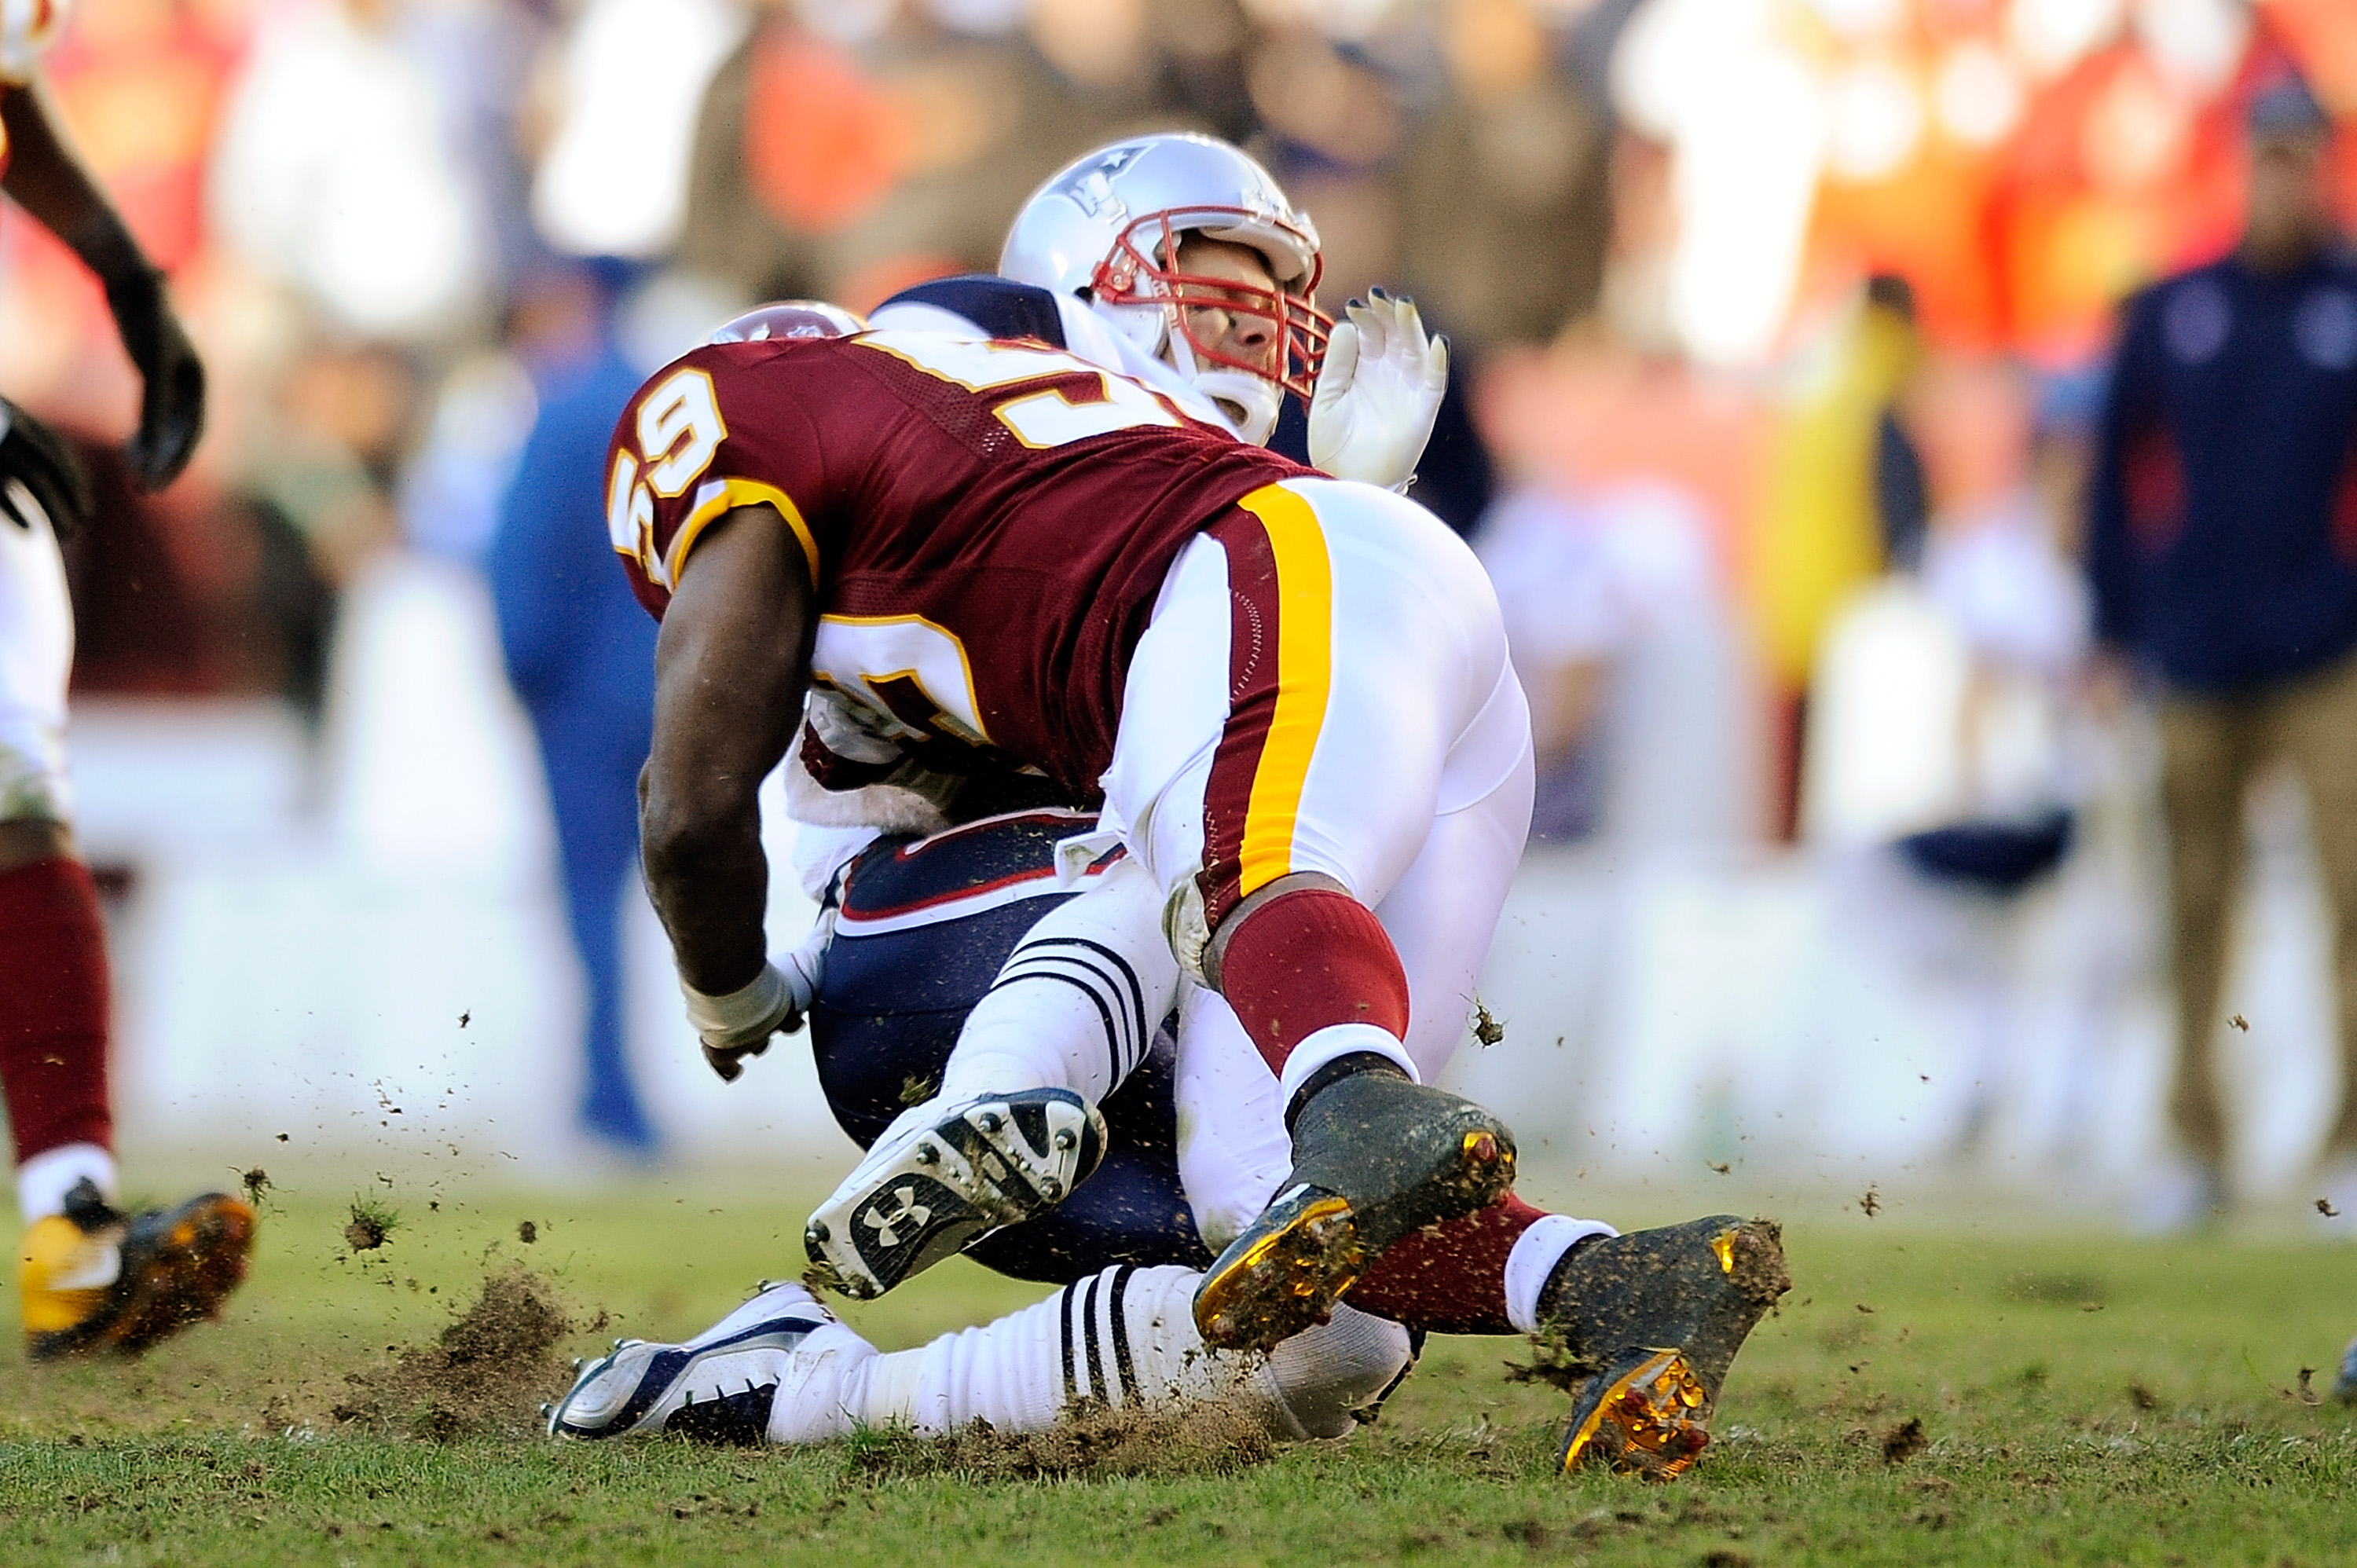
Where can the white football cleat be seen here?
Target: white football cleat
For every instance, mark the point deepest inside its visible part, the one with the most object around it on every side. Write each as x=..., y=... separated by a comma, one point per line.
x=943, y=1175
x=724, y=1385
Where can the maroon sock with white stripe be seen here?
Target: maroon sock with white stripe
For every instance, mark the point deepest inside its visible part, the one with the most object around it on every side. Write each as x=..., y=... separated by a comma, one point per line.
x=1310, y=960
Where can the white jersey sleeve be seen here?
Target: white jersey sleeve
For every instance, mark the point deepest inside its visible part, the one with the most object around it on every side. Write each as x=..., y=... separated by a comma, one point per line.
x=27, y=29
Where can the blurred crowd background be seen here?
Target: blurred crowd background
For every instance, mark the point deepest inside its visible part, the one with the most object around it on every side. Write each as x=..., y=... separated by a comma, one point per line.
x=1781, y=328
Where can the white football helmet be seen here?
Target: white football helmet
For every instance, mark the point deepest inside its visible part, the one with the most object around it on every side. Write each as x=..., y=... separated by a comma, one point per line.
x=1105, y=228
x=789, y=319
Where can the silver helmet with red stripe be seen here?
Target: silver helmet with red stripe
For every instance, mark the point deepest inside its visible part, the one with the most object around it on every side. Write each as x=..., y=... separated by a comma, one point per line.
x=1107, y=227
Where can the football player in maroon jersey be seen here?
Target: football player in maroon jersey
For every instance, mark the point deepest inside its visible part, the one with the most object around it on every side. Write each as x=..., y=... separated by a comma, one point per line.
x=1286, y=682
x=91, y=1277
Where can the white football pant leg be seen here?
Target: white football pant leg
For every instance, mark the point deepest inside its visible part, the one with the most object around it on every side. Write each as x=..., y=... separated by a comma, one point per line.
x=1442, y=914
x=1422, y=720
x=1123, y=1338
x=1233, y=1151
x=35, y=658
x=1076, y=1004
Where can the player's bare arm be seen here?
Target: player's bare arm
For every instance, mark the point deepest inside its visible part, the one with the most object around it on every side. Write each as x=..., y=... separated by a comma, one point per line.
x=731, y=667
x=48, y=181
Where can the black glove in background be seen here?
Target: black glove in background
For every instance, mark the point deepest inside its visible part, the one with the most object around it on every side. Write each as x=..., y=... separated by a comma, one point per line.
x=172, y=407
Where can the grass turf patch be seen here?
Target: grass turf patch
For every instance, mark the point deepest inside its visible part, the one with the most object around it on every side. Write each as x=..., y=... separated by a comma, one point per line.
x=1924, y=1396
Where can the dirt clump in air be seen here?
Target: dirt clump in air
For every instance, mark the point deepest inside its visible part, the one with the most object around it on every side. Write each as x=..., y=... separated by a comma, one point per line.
x=371, y=1223
x=486, y=1373
x=1904, y=1441
x=1092, y=1440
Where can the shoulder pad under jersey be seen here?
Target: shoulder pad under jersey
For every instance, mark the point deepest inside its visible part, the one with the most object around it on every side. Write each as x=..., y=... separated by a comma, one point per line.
x=995, y=306
x=27, y=29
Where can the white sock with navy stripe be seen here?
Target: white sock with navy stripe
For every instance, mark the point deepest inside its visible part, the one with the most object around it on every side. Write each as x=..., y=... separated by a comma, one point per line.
x=1126, y=1338
x=1076, y=1004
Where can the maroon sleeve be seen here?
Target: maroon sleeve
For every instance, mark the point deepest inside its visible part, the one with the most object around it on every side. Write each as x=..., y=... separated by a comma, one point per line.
x=718, y=429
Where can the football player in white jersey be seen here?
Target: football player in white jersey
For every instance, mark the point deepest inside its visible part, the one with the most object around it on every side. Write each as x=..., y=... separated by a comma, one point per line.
x=91, y=1277
x=1176, y=260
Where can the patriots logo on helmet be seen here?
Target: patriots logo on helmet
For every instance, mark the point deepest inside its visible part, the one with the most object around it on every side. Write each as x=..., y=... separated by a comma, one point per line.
x=1090, y=188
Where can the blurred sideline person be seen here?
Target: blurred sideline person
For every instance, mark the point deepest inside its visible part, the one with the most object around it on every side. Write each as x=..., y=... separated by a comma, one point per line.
x=2224, y=555
x=580, y=654
x=91, y=1277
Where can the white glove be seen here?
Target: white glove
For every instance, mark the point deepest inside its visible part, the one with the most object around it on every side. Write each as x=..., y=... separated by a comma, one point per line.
x=739, y=1025
x=1377, y=393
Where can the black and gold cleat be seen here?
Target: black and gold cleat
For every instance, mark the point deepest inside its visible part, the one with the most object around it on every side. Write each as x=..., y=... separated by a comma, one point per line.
x=1374, y=1156
x=1651, y=1322
x=93, y=1279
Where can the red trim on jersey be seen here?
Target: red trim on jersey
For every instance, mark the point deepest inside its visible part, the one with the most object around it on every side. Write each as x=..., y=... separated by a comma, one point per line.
x=53, y=1007
x=1254, y=618
x=1450, y=1278
x=1064, y=815
x=955, y=894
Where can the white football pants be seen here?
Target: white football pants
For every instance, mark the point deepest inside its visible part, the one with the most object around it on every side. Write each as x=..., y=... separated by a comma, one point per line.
x=35, y=659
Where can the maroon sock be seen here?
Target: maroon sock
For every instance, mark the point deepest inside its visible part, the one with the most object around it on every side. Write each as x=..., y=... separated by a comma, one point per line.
x=53, y=1007
x=1308, y=960
x=1449, y=1278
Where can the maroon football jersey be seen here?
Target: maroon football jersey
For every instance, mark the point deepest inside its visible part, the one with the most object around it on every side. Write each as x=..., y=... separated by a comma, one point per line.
x=988, y=524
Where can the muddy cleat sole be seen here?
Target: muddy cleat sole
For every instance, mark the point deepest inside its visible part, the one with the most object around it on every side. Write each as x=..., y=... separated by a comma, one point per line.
x=944, y=1176
x=1651, y=1321
x=718, y=1387
x=1375, y=1157
x=95, y=1280
x=1647, y=1418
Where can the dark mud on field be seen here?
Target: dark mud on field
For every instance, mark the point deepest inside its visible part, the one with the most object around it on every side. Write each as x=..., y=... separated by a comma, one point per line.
x=487, y=1373
x=1091, y=1441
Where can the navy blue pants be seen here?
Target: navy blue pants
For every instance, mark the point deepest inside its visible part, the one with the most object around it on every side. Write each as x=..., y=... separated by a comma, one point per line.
x=894, y=999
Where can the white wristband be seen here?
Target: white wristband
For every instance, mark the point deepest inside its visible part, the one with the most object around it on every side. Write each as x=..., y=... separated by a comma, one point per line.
x=747, y=1015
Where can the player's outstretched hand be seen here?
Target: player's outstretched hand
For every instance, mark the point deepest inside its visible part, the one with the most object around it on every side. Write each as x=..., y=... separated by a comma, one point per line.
x=172, y=408
x=36, y=462
x=1378, y=393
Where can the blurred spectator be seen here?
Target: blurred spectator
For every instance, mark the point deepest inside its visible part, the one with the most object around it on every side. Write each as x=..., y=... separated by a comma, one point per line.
x=341, y=173
x=1845, y=498
x=613, y=180
x=580, y=652
x=2224, y=524
x=1503, y=217
x=1938, y=720
x=196, y=594
x=1617, y=623
x=847, y=162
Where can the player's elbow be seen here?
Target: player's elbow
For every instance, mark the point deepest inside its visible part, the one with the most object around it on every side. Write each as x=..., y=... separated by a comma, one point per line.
x=689, y=827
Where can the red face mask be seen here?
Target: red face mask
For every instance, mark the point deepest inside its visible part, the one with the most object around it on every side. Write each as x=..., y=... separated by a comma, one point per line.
x=1131, y=275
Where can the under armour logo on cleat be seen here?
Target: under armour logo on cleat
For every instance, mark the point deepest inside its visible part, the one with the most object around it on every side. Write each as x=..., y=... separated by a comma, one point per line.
x=911, y=1212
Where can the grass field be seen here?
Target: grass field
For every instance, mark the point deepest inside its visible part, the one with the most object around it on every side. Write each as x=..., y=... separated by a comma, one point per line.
x=2080, y=1399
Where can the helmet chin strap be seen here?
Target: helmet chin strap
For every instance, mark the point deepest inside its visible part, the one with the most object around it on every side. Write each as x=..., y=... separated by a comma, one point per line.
x=1250, y=402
